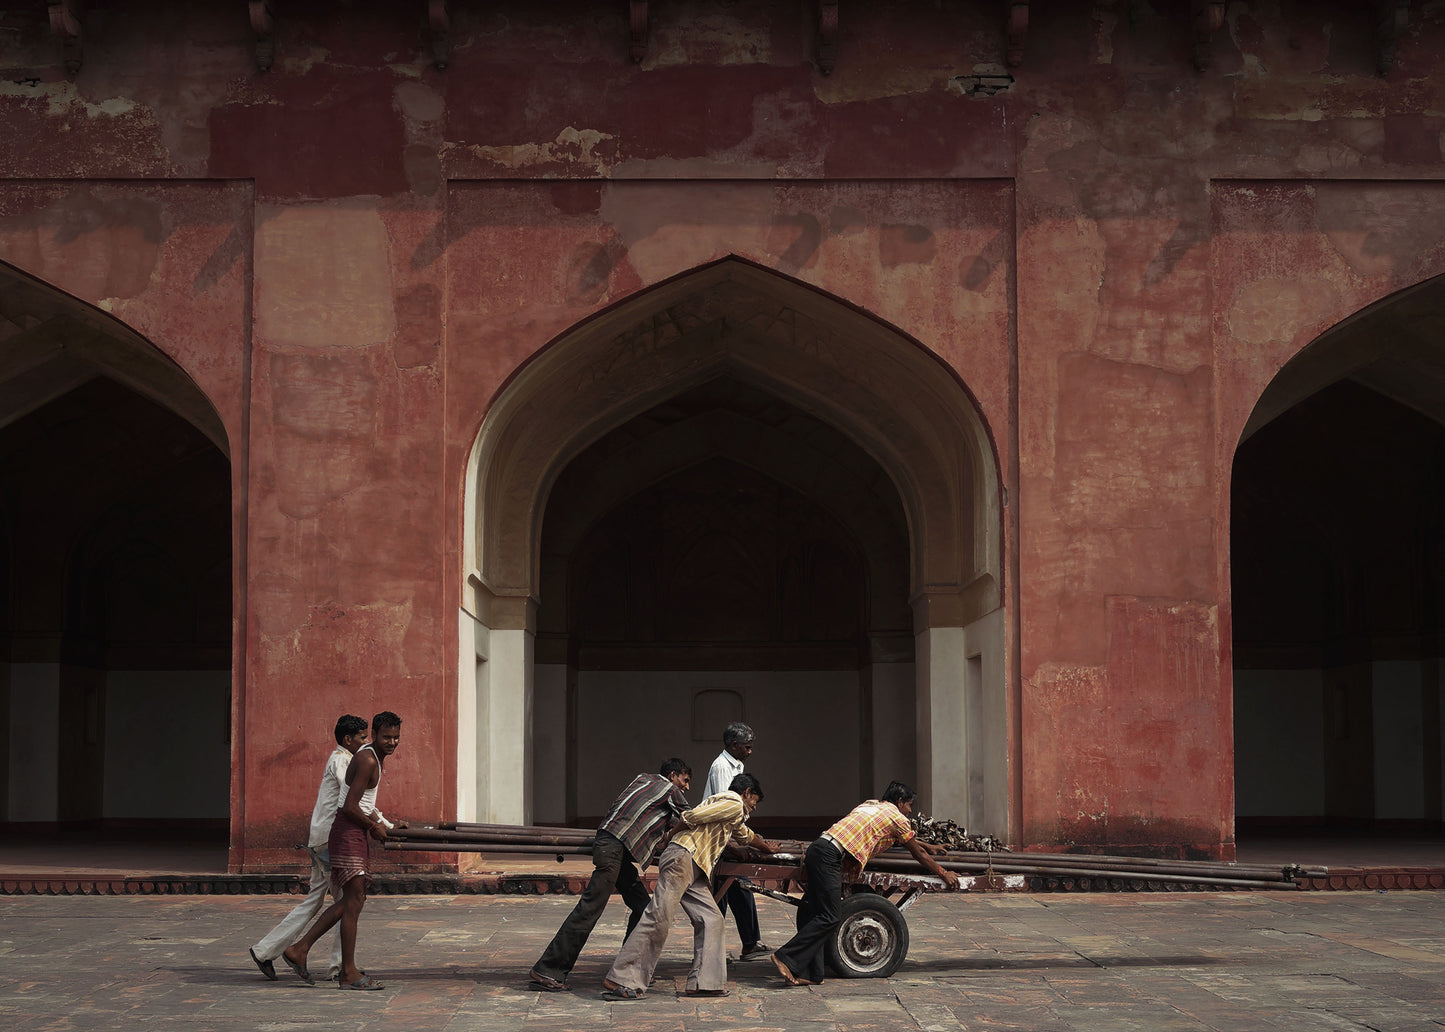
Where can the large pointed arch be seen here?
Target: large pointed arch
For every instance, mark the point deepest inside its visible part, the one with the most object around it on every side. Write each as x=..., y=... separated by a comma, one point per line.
x=117, y=498
x=886, y=393
x=1338, y=575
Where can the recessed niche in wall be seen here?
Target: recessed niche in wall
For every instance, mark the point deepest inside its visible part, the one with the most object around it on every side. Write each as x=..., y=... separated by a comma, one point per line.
x=714, y=709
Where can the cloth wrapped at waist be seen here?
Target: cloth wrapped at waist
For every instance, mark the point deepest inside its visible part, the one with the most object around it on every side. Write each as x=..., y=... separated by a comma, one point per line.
x=350, y=850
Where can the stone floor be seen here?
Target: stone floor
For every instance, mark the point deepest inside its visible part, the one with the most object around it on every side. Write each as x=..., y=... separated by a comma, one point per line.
x=1044, y=963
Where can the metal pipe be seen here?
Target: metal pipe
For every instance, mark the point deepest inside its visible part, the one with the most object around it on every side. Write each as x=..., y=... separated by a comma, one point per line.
x=517, y=838
x=513, y=829
x=1258, y=871
x=487, y=847
x=1123, y=874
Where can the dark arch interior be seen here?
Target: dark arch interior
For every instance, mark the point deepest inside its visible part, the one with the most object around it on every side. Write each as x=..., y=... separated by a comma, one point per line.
x=1338, y=565
x=725, y=546
x=118, y=637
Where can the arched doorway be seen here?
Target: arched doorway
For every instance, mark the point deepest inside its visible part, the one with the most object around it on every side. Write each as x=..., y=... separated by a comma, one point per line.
x=733, y=495
x=1338, y=568
x=115, y=498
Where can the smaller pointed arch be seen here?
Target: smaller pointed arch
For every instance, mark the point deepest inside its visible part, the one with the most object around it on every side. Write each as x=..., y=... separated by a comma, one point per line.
x=51, y=343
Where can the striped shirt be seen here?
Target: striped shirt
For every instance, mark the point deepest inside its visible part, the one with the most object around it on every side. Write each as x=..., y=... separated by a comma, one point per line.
x=641, y=815
x=870, y=828
x=710, y=825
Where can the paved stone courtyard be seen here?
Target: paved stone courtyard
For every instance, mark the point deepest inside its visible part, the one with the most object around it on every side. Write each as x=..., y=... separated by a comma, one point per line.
x=1043, y=963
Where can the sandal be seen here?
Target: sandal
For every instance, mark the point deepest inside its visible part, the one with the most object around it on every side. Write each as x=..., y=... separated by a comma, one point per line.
x=365, y=983
x=299, y=970
x=547, y=983
x=714, y=994
x=267, y=968
x=612, y=991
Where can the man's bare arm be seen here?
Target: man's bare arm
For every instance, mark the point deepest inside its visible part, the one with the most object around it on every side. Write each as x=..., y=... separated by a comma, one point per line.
x=924, y=856
x=362, y=775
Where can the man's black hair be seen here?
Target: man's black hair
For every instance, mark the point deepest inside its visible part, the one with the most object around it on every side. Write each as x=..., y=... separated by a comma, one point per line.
x=897, y=792
x=747, y=783
x=737, y=733
x=386, y=718
x=674, y=766
x=349, y=725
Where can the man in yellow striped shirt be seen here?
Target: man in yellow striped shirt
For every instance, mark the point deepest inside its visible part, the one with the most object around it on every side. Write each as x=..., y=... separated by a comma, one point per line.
x=683, y=879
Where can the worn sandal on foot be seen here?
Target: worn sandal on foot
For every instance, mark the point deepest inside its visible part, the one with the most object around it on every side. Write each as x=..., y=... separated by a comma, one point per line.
x=299, y=970
x=547, y=983
x=364, y=983
x=713, y=994
x=622, y=992
x=267, y=968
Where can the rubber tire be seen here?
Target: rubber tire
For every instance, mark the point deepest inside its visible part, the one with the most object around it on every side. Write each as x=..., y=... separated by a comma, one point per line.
x=871, y=940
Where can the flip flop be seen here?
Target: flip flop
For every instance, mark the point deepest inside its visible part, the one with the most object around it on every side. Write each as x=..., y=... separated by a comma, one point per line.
x=623, y=993
x=298, y=969
x=714, y=994
x=363, y=984
x=547, y=983
x=267, y=968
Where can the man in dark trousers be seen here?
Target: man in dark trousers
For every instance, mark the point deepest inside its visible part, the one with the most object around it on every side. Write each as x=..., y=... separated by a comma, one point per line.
x=631, y=833
x=738, y=739
x=833, y=860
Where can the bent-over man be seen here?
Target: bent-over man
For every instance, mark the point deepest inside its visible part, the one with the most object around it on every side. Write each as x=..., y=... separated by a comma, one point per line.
x=629, y=835
x=683, y=878
x=847, y=846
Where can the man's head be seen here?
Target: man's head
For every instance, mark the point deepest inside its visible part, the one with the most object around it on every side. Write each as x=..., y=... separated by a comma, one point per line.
x=750, y=788
x=901, y=796
x=678, y=772
x=351, y=732
x=738, y=740
x=385, y=732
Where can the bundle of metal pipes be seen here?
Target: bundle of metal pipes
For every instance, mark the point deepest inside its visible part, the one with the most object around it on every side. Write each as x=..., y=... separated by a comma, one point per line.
x=457, y=837
x=1110, y=868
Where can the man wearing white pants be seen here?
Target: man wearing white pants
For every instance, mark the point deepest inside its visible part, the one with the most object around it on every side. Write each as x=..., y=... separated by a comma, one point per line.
x=351, y=734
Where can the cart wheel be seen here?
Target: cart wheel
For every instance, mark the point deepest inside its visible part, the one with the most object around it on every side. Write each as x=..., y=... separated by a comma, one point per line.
x=872, y=939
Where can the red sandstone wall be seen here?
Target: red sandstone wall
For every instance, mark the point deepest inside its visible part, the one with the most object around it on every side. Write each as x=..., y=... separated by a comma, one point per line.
x=1100, y=253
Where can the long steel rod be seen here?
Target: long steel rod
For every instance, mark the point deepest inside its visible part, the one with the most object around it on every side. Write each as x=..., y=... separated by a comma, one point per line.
x=487, y=847
x=1091, y=859
x=1081, y=872
x=519, y=838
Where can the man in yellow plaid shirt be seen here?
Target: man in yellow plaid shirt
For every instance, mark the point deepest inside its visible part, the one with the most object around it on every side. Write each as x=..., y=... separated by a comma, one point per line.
x=847, y=846
x=683, y=878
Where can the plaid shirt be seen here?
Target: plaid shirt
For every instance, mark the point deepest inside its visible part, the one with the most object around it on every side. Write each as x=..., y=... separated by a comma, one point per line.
x=710, y=825
x=871, y=828
x=642, y=814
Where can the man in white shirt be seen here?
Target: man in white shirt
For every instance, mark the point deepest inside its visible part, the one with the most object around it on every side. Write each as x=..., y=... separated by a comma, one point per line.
x=738, y=741
x=351, y=735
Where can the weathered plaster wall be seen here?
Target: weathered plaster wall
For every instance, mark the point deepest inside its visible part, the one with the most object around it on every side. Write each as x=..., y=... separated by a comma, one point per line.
x=352, y=252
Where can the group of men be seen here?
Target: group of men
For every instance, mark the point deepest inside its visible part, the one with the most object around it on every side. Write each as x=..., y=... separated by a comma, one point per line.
x=650, y=820
x=343, y=822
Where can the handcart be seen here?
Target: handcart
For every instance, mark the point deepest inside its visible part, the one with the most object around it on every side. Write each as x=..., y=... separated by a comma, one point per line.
x=872, y=939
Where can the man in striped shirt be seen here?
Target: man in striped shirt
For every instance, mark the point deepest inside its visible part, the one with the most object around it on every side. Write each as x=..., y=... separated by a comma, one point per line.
x=630, y=834
x=683, y=879
x=833, y=860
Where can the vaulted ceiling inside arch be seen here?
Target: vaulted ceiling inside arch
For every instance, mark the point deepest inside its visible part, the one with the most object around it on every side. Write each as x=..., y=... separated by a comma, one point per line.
x=725, y=521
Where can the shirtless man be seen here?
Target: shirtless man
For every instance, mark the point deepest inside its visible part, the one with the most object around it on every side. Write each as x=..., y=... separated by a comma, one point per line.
x=356, y=819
